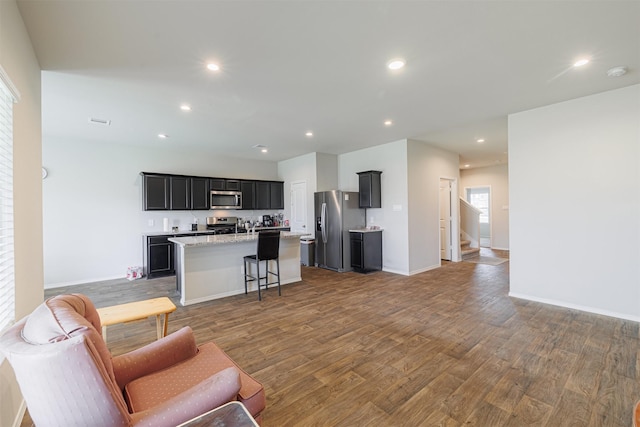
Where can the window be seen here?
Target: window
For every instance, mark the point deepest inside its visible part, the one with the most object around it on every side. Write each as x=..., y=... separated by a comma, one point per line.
x=479, y=199
x=8, y=96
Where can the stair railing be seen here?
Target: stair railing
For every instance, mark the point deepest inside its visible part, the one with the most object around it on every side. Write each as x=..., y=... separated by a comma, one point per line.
x=470, y=223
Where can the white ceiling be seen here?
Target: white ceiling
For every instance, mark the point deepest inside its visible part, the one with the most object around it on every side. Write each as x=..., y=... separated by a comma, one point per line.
x=293, y=66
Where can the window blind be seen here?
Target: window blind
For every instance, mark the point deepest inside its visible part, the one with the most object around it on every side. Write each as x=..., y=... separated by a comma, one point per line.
x=7, y=277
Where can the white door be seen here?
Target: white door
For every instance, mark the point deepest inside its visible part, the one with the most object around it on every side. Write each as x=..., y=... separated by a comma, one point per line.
x=299, y=206
x=445, y=220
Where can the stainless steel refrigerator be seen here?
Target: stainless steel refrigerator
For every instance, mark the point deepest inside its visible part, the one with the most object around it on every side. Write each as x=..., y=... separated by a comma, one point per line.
x=336, y=213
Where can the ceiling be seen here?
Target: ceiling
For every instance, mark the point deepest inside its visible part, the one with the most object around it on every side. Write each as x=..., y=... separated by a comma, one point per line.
x=288, y=67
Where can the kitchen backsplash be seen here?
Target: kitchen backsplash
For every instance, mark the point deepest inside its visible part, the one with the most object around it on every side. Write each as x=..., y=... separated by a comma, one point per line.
x=153, y=221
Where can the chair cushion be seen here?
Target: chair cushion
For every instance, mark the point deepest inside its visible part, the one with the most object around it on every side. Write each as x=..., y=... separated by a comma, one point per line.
x=66, y=316
x=151, y=390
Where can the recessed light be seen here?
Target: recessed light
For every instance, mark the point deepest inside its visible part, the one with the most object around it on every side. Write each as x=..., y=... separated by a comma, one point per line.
x=185, y=107
x=396, y=64
x=309, y=134
x=480, y=140
x=388, y=122
x=163, y=136
x=581, y=62
x=264, y=150
x=213, y=67
x=467, y=165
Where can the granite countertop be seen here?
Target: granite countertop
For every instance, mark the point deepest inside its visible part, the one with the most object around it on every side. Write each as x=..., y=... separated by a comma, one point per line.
x=191, y=241
x=204, y=230
x=371, y=229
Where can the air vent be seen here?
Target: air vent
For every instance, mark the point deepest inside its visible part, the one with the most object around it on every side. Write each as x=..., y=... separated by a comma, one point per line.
x=102, y=122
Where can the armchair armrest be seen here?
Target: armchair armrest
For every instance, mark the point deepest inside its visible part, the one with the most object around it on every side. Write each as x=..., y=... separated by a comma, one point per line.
x=216, y=390
x=161, y=354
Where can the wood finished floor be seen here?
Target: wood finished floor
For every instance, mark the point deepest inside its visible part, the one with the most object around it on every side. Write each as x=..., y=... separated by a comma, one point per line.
x=446, y=347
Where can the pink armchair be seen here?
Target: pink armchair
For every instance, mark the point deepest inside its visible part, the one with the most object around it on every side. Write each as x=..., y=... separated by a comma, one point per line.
x=68, y=377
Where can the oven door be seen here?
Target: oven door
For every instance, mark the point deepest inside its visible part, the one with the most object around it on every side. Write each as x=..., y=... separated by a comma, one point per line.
x=226, y=200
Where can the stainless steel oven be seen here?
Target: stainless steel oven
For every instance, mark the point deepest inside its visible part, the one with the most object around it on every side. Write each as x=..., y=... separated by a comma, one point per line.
x=226, y=200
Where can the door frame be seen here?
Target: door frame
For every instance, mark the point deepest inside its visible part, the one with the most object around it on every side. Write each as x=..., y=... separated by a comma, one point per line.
x=455, y=219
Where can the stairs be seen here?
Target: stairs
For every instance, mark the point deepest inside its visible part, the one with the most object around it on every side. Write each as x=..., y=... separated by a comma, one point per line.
x=467, y=251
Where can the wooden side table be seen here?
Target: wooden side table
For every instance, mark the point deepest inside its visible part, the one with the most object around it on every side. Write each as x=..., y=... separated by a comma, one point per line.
x=232, y=414
x=136, y=311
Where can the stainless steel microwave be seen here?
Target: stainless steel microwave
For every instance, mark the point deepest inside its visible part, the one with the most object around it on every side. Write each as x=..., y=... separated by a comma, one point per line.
x=226, y=200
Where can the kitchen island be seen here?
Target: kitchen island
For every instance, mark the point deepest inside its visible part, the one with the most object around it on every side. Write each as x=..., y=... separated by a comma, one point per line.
x=211, y=267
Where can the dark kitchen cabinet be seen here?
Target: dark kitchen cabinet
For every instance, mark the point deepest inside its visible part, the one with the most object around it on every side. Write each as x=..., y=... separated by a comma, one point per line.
x=180, y=193
x=199, y=193
x=232, y=185
x=276, y=196
x=263, y=195
x=248, y=189
x=159, y=257
x=366, y=251
x=223, y=184
x=217, y=184
x=370, y=195
x=155, y=192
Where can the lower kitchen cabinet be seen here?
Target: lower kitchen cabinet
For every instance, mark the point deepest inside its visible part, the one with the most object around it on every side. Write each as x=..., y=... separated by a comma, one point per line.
x=366, y=251
x=159, y=257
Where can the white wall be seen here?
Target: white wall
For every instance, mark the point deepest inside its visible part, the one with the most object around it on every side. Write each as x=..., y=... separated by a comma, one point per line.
x=574, y=190
x=391, y=159
x=426, y=165
x=496, y=177
x=327, y=171
x=18, y=60
x=93, y=217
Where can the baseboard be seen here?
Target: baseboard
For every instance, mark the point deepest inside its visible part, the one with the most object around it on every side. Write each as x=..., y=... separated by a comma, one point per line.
x=391, y=270
x=576, y=307
x=232, y=293
x=499, y=249
x=80, y=282
x=422, y=270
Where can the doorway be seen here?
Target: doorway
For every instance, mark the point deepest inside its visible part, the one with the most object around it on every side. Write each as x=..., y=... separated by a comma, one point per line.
x=480, y=198
x=299, y=206
x=445, y=220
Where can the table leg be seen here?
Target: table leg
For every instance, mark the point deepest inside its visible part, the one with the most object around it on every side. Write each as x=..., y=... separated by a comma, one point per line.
x=166, y=324
x=158, y=326
x=104, y=333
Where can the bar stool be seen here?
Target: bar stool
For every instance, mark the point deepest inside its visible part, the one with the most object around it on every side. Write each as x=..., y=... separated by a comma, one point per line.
x=268, y=249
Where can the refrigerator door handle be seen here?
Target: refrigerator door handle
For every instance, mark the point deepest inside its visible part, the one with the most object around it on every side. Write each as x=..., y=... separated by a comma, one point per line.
x=323, y=222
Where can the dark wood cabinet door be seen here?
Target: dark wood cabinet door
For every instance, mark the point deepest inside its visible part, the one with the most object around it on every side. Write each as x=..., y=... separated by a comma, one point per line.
x=155, y=189
x=357, y=252
x=276, y=195
x=248, y=189
x=160, y=258
x=217, y=184
x=232, y=185
x=263, y=195
x=180, y=193
x=200, y=193
x=370, y=195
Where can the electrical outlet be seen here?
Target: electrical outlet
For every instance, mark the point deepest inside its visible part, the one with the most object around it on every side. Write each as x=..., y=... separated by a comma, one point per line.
x=150, y=223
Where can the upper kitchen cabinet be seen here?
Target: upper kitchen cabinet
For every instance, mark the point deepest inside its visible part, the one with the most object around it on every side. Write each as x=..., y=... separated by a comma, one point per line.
x=370, y=195
x=263, y=195
x=248, y=189
x=180, y=193
x=223, y=184
x=199, y=193
x=276, y=196
x=155, y=192
x=269, y=195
